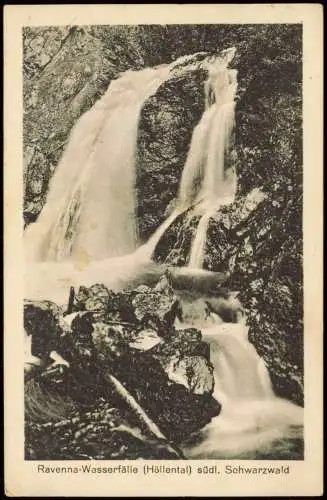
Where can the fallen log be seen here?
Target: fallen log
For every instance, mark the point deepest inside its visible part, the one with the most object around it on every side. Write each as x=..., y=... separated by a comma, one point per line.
x=138, y=411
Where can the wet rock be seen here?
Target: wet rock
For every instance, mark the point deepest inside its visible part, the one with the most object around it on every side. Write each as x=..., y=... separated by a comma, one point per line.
x=188, y=342
x=191, y=371
x=185, y=359
x=145, y=305
x=282, y=355
x=105, y=304
x=109, y=340
x=166, y=125
x=92, y=299
x=174, y=246
x=155, y=304
x=173, y=396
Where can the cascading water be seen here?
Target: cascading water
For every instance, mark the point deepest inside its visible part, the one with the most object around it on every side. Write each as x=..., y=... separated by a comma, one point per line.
x=90, y=208
x=198, y=244
x=253, y=422
x=213, y=135
x=89, y=214
x=204, y=182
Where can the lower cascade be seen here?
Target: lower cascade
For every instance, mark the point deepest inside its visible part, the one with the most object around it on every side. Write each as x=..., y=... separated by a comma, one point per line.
x=253, y=421
x=87, y=234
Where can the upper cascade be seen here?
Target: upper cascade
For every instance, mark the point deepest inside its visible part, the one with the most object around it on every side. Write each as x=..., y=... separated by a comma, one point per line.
x=90, y=209
x=205, y=177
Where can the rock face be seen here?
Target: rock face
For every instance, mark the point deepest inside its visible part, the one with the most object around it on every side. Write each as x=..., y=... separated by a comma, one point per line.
x=72, y=410
x=166, y=124
x=44, y=321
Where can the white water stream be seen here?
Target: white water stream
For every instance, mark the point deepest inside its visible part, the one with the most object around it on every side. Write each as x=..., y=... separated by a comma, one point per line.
x=90, y=208
x=253, y=421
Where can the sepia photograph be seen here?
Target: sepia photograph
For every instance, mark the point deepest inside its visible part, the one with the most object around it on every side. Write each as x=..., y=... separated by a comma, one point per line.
x=162, y=215
x=163, y=239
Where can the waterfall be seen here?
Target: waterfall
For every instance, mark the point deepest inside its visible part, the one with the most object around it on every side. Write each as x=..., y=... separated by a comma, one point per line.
x=198, y=244
x=84, y=219
x=253, y=421
x=90, y=207
x=205, y=182
x=145, y=251
x=240, y=372
x=86, y=234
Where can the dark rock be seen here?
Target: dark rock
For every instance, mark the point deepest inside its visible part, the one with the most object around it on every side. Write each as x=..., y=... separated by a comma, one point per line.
x=43, y=320
x=155, y=304
x=185, y=359
x=94, y=298
x=166, y=377
x=166, y=125
x=174, y=246
x=177, y=408
x=105, y=304
x=113, y=340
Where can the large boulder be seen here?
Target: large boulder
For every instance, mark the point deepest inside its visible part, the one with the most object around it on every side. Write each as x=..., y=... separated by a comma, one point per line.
x=166, y=125
x=172, y=379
